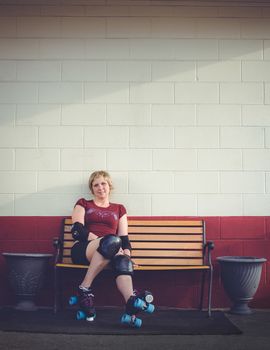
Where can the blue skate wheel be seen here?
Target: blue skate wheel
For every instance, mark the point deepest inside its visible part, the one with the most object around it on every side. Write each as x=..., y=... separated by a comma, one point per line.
x=73, y=300
x=80, y=315
x=139, y=304
x=137, y=323
x=126, y=318
x=150, y=308
x=134, y=322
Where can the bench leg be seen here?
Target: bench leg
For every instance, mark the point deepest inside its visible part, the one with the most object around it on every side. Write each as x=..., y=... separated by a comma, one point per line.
x=210, y=291
x=210, y=283
x=202, y=290
x=57, y=289
x=55, y=305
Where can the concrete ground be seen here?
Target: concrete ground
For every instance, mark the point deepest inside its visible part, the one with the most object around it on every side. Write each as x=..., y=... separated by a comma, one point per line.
x=255, y=328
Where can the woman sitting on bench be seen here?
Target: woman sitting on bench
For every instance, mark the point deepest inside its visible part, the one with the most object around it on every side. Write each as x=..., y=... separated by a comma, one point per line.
x=100, y=231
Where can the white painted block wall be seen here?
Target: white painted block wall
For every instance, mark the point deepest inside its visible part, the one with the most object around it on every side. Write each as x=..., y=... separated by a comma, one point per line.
x=171, y=97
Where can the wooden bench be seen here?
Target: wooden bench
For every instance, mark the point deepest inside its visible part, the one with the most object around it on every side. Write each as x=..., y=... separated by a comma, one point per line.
x=157, y=244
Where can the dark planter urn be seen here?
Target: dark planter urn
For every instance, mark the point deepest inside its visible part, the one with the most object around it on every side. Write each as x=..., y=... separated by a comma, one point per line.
x=240, y=276
x=26, y=274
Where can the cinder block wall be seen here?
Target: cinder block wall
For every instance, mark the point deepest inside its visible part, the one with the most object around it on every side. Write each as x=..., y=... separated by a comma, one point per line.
x=172, y=98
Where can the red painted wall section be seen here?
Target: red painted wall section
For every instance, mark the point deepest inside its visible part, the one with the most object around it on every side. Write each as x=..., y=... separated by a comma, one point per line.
x=247, y=236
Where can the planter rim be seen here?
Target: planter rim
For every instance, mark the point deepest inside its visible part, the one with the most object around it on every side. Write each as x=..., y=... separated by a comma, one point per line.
x=28, y=255
x=243, y=259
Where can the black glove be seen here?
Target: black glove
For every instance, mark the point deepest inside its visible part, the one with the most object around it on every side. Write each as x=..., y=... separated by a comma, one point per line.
x=79, y=232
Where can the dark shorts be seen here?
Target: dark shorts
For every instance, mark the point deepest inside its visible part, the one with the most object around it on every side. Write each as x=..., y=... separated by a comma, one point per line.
x=78, y=253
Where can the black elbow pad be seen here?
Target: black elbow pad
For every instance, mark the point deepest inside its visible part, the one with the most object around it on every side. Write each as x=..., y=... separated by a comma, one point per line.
x=79, y=232
x=125, y=242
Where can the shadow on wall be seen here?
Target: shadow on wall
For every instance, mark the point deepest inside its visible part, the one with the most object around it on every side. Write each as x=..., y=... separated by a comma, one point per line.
x=94, y=81
x=172, y=79
x=172, y=66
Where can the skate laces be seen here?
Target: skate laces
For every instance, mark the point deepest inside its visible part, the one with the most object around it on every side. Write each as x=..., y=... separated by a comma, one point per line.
x=87, y=297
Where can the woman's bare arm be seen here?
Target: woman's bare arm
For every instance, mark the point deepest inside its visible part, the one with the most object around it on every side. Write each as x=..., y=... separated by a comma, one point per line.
x=78, y=216
x=123, y=230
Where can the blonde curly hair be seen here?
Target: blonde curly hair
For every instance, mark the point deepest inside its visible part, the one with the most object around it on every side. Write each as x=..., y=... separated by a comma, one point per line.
x=97, y=174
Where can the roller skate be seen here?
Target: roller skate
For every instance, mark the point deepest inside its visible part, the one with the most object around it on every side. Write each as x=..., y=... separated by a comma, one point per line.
x=85, y=301
x=145, y=295
x=138, y=302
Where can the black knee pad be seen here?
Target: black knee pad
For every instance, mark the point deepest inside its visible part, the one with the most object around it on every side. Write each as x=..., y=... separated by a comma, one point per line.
x=79, y=232
x=122, y=265
x=109, y=246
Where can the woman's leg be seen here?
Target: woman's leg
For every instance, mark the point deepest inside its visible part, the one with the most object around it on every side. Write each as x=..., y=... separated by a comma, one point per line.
x=125, y=286
x=97, y=263
x=123, y=268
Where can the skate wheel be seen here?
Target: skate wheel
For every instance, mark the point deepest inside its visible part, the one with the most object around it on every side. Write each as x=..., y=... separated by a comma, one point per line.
x=150, y=308
x=137, y=323
x=126, y=318
x=91, y=318
x=73, y=300
x=139, y=304
x=80, y=315
x=132, y=321
x=149, y=297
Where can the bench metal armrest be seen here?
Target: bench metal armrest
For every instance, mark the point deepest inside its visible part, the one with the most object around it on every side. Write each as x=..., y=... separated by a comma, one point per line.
x=58, y=244
x=209, y=246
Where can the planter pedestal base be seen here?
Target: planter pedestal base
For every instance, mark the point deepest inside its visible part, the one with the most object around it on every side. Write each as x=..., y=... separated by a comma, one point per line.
x=241, y=308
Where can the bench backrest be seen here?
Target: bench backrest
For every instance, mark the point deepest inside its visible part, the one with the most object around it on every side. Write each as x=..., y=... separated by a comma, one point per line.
x=167, y=242
x=157, y=242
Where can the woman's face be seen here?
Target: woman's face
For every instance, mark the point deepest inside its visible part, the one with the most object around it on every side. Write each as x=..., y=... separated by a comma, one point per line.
x=100, y=188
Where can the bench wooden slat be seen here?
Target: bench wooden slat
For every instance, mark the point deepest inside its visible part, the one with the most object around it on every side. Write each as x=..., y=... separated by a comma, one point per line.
x=157, y=253
x=154, y=245
x=142, y=268
x=153, y=237
x=68, y=244
x=68, y=236
x=168, y=222
x=165, y=222
x=66, y=252
x=167, y=253
x=71, y=265
x=165, y=230
x=160, y=261
x=166, y=245
x=67, y=260
x=164, y=238
x=170, y=267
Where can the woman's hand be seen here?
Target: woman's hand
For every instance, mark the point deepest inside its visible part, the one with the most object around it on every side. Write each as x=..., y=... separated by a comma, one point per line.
x=126, y=252
x=123, y=252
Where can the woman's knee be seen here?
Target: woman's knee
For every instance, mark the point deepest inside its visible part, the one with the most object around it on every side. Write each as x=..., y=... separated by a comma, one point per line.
x=109, y=246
